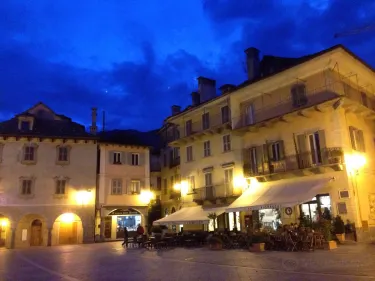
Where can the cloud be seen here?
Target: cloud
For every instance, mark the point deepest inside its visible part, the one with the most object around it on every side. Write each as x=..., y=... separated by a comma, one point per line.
x=294, y=27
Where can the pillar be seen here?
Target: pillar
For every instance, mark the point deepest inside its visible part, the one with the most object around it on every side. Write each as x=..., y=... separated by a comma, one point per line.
x=102, y=227
x=49, y=237
x=12, y=238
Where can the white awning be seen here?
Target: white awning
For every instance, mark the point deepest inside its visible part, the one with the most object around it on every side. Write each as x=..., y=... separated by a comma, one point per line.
x=190, y=215
x=274, y=195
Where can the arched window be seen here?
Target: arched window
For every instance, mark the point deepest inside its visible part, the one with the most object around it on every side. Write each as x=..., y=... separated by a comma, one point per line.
x=298, y=95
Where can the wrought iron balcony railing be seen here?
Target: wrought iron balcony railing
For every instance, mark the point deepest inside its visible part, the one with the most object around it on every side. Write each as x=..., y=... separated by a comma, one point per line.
x=305, y=160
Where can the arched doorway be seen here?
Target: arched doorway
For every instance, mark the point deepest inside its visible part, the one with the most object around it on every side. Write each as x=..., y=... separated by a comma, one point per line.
x=118, y=219
x=36, y=235
x=4, y=226
x=68, y=229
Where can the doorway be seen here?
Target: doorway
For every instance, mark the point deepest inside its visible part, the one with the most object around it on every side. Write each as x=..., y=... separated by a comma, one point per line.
x=36, y=238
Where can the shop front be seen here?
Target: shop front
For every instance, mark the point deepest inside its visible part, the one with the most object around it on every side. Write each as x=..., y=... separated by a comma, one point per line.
x=118, y=219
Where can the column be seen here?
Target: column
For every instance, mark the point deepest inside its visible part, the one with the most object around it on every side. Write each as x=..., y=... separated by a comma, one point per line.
x=102, y=227
x=49, y=237
x=12, y=238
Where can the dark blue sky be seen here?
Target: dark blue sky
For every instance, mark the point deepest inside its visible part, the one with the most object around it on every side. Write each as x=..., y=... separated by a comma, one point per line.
x=135, y=58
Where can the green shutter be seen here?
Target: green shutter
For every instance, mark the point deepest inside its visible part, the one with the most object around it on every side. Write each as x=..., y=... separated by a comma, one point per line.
x=110, y=157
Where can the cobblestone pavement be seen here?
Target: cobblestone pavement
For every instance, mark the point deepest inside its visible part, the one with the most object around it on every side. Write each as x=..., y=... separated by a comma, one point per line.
x=110, y=262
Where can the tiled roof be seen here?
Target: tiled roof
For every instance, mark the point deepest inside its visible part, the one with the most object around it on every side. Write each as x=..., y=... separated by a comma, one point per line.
x=53, y=125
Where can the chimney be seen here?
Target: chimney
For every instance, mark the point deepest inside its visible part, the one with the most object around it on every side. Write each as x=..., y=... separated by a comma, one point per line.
x=226, y=88
x=195, y=98
x=252, y=63
x=93, y=127
x=206, y=88
x=176, y=109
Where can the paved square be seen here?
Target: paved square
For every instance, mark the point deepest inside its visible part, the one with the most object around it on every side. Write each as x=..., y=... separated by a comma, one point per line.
x=110, y=262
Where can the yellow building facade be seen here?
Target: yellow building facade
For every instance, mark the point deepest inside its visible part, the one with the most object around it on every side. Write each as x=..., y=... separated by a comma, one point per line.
x=47, y=188
x=310, y=121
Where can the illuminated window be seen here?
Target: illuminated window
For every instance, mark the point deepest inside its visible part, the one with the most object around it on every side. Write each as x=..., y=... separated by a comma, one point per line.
x=135, y=187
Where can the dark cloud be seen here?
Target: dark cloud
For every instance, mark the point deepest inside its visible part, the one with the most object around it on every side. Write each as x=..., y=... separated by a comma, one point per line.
x=295, y=28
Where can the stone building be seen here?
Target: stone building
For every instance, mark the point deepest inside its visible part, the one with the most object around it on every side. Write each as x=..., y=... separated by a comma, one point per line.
x=47, y=180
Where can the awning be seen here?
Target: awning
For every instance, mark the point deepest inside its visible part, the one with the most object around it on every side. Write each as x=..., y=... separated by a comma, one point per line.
x=274, y=195
x=190, y=215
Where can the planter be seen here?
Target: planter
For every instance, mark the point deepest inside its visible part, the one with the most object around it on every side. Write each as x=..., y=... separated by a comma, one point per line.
x=330, y=245
x=257, y=247
x=341, y=237
x=216, y=246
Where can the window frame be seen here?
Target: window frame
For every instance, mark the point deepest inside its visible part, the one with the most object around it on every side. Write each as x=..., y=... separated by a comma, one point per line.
x=132, y=191
x=117, y=154
x=116, y=186
x=24, y=159
x=206, y=148
x=205, y=121
x=135, y=156
x=225, y=114
x=227, y=143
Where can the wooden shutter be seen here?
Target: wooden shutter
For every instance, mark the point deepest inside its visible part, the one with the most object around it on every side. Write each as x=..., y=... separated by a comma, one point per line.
x=282, y=149
x=129, y=158
x=259, y=152
x=110, y=157
x=325, y=155
x=123, y=158
x=141, y=159
x=351, y=133
x=302, y=157
x=128, y=186
x=361, y=140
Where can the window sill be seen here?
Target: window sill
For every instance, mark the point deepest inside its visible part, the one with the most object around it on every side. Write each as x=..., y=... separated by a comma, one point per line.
x=28, y=162
x=26, y=196
x=60, y=196
x=227, y=151
x=116, y=163
x=207, y=156
x=116, y=194
x=62, y=163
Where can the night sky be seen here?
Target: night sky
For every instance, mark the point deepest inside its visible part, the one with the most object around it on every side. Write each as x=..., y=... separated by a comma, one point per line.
x=136, y=58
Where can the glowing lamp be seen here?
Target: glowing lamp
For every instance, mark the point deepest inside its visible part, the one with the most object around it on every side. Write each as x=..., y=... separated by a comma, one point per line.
x=177, y=186
x=354, y=162
x=83, y=197
x=146, y=196
x=67, y=217
x=4, y=222
x=239, y=182
x=184, y=186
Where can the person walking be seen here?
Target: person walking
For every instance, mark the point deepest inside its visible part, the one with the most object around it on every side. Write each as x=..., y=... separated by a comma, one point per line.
x=126, y=236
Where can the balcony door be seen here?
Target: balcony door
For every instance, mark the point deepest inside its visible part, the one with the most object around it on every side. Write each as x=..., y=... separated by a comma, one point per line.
x=314, y=141
x=208, y=186
x=228, y=181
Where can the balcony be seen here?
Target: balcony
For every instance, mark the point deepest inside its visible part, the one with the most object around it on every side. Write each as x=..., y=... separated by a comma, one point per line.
x=173, y=162
x=278, y=106
x=214, y=124
x=213, y=193
x=307, y=163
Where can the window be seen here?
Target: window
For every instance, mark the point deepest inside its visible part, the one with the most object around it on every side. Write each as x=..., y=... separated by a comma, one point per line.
x=135, y=187
x=60, y=186
x=29, y=153
x=158, y=183
x=228, y=177
x=206, y=148
x=249, y=115
x=315, y=148
x=176, y=152
x=25, y=125
x=63, y=152
x=364, y=99
x=189, y=153
x=26, y=188
x=135, y=159
x=117, y=158
x=172, y=182
x=226, y=143
x=357, y=139
x=1, y=151
x=116, y=188
x=191, y=183
x=208, y=179
x=253, y=160
x=276, y=151
x=165, y=186
x=205, y=121
x=225, y=114
x=188, y=127
x=299, y=97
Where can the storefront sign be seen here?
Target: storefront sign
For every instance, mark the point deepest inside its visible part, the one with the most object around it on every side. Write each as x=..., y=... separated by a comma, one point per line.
x=288, y=211
x=121, y=212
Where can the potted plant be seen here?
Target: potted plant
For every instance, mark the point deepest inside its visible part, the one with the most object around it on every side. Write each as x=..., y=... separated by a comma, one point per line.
x=258, y=242
x=339, y=228
x=326, y=227
x=215, y=243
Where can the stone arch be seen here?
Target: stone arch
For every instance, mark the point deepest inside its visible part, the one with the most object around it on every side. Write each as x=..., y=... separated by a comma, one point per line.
x=31, y=230
x=67, y=229
x=5, y=226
